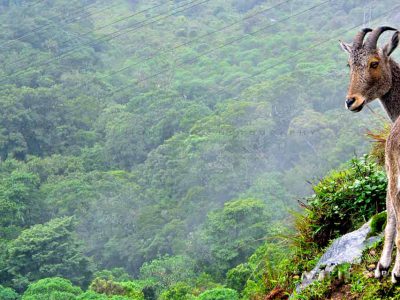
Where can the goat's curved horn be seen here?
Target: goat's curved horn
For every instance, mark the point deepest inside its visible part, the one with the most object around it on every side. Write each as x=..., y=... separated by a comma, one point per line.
x=372, y=40
x=359, y=38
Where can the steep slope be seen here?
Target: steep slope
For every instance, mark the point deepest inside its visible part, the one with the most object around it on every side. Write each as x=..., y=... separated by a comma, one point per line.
x=174, y=133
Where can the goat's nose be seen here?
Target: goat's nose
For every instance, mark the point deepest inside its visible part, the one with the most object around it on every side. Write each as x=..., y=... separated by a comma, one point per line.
x=350, y=101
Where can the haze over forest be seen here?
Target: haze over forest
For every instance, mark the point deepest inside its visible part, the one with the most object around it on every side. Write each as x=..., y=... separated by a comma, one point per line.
x=166, y=135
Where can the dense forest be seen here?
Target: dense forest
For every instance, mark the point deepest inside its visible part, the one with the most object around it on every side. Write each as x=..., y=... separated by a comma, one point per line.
x=158, y=149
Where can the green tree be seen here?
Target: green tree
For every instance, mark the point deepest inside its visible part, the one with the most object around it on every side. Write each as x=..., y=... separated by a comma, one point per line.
x=90, y=295
x=179, y=291
x=237, y=277
x=129, y=289
x=52, y=289
x=219, y=294
x=20, y=205
x=125, y=143
x=232, y=233
x=168, y=271
x=47, y=250
x=8, y=294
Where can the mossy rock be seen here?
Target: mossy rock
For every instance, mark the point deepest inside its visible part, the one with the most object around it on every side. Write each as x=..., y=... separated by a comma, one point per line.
x=378, y=223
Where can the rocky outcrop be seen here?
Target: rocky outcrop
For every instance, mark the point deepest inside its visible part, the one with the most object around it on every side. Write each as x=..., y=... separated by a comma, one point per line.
x=346, y=249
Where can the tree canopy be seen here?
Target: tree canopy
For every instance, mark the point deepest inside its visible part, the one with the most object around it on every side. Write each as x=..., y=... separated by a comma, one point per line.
x=151, y=147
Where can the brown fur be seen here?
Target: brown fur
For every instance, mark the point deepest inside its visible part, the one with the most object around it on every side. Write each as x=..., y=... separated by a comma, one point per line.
x=374, y=74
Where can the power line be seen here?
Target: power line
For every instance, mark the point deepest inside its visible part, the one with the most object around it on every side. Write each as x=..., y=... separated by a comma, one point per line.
x=119, y=32
x=297, y=54
x=40, y=27
x=87, y=16
x=303, y=51
x=223, y=45
x=159, y=52
x=110, y=36
x=102, y=38
x=274, y=65
x=120, y=20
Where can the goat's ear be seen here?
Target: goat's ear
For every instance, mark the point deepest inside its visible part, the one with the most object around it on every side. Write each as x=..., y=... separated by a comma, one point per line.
x=345, y=47
x=392, y=45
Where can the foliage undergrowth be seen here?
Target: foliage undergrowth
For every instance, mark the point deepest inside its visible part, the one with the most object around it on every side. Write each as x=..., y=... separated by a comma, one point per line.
x=344, y=200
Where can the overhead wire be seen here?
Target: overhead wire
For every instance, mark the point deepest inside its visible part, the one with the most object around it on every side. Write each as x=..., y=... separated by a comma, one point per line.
x=303, y=51
x=223, y=45
x=109, y=37
x=253, y=75
x=91, y=14
x=45, y=26
x=263, y=70
x=161, y=51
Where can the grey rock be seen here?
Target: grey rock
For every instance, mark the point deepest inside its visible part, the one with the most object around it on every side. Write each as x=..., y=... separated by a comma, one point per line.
x=346, y=249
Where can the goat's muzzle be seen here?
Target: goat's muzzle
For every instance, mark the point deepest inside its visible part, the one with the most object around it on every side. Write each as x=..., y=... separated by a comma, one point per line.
x=355, y=102
x=353, y=107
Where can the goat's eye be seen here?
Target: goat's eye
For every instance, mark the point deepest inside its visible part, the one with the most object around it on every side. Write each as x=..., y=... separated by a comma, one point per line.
x=348, y=65
x=374, y=65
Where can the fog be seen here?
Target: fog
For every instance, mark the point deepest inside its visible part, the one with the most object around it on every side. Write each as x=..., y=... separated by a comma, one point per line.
x=168, y=135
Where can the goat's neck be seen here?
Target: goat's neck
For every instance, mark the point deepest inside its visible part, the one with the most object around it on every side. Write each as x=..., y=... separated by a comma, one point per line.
x=391, y=100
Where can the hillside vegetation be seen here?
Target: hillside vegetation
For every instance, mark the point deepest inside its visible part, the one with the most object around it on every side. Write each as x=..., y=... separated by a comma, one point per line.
x=157, y=149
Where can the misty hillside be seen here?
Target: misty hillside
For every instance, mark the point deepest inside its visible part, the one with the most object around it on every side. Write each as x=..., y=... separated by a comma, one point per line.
x=149, y=148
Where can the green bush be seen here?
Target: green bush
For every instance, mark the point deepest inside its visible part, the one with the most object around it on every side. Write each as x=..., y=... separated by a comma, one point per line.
x=167, y=271
x=219, y=294
x=180, y=291
x=107, y=287
x=128, y=289
x=55, y=288
x=231, y=234
x=237, y=277
x=378, y=223
x=47, y=250
x=8, y=294
x=271, y=265
x=344, y=200
x=204, y=282
x=133, y=289
x=318, y=290
x=90, y=295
